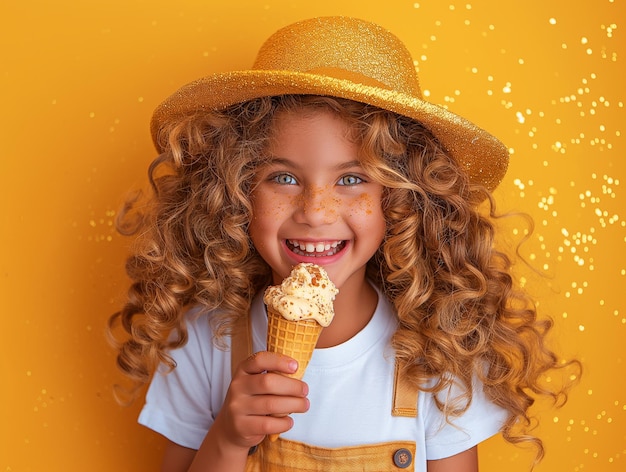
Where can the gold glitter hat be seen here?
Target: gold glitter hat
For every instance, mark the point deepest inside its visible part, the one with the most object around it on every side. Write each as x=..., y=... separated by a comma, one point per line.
x=347, y=58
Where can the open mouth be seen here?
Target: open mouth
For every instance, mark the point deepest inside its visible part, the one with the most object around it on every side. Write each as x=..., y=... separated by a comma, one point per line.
x=315, y=249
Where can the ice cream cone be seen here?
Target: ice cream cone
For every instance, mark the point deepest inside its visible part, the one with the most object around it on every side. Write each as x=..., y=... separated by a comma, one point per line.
x=296, y=339
x=298, y=309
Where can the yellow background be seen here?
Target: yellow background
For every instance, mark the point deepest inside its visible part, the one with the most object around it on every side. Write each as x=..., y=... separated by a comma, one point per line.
x=78, y=83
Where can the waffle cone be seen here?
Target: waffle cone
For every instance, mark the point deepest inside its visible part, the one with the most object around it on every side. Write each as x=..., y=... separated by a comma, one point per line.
x=296, y=339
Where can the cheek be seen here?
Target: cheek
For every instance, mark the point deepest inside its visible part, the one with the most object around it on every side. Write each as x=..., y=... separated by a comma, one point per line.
x=366, y=207
x=367, y=217
x=269, y=207
x=269, y=212
x=262, y=215
x=365, y=204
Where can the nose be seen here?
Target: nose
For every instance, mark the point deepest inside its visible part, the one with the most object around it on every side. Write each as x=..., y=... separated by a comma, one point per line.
x=317, y=206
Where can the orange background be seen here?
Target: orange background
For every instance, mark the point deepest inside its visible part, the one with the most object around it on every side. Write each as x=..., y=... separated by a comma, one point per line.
x=78, y=83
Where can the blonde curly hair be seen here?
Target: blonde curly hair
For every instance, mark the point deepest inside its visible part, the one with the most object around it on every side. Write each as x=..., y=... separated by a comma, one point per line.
x=460, y=313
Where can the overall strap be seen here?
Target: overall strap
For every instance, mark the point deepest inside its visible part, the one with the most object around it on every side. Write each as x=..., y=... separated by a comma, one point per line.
x=240, y=342
x=404, y=395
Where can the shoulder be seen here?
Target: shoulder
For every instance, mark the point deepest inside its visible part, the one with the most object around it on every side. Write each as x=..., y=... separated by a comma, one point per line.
x=201, y=354
x=447, y=435
x=181, y=403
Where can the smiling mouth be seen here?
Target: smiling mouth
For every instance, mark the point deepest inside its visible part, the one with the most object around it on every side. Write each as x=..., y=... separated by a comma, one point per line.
x=315, y=249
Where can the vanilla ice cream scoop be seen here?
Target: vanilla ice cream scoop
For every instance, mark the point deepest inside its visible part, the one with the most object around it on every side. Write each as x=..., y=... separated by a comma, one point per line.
x=306, y=294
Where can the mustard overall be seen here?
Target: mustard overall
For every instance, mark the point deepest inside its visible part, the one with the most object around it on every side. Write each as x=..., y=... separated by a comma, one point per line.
x=283, y=455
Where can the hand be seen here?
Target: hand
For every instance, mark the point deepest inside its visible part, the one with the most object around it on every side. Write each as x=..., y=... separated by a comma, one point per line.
x=256, y=391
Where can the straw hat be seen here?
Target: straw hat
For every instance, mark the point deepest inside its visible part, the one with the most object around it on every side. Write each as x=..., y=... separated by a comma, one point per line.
x=347, y=58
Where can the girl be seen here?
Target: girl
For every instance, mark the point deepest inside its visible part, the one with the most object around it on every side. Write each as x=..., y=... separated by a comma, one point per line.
x=325, y=152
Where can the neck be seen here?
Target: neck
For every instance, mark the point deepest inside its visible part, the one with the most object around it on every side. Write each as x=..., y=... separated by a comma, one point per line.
x=354, y=307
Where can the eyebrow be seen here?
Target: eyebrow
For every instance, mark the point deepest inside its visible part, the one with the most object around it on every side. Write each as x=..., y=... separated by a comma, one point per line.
x=275, y=160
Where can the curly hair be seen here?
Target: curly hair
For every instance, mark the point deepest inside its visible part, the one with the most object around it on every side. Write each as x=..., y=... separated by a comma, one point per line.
x=460, y=313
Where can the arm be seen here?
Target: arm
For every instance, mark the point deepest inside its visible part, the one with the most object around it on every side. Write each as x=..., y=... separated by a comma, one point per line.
x=466, y=461
x=176, y=457
x=243, y=421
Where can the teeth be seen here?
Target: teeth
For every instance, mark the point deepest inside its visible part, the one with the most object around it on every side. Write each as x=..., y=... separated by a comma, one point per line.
x=320, y=248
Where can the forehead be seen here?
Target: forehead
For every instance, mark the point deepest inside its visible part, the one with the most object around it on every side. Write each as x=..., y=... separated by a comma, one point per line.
x=318, y=139
x=303, y=116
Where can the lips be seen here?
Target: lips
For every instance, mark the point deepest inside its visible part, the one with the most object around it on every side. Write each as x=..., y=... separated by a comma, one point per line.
x=315, y=248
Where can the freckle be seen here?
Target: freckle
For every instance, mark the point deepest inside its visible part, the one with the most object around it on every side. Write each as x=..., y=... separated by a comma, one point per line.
x=364, y=203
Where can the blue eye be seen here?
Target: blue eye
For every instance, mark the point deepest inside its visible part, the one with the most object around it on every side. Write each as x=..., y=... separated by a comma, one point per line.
x=284, y=179
x=349, y=180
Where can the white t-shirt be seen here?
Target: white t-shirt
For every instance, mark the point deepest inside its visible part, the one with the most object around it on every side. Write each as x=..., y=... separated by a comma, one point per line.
x=350, y=393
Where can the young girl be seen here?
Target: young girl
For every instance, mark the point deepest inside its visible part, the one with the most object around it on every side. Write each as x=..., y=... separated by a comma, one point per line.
x=325, y=152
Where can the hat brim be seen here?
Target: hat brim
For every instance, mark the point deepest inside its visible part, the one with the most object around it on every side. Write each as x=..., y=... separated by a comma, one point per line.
x=483, y=156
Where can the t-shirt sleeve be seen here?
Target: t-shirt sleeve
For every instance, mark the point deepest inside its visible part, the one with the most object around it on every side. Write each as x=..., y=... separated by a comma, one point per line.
x=480, y=421
x=182, y=404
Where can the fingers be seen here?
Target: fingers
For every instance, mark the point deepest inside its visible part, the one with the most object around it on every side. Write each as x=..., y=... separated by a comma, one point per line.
x=265, y=361
x=271, y=365
x=251, y=430
x=259, y=377
x=261, y=397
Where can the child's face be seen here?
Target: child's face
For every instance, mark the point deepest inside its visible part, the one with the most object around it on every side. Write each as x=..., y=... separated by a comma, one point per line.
x=313, y=202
